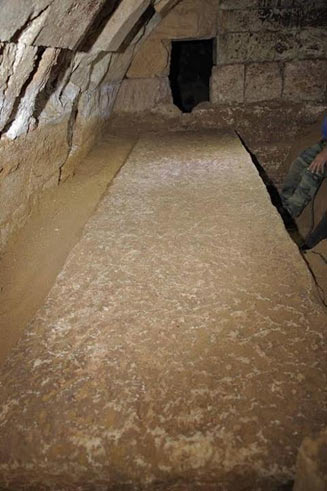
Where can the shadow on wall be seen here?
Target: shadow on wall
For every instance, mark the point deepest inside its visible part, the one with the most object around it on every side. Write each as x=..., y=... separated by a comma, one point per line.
x=190, y=72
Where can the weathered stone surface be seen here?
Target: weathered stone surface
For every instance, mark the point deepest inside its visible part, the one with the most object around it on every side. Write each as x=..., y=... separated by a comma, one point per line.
x=16, y=64
x=256, y=47
x=291, y=3
x=120, y=25
x=119, y=65
x=15, y=14
x=255, y=20
x=163, y=6
x=139, y=94
x=75, y=18
x=227, y=84
x=24, y=119
x=312, y=464
x=89, y=70
x=312, y=43
x=27, y=165
x=263, y=81
x=152, y=60
x=271, y=46
x=167, y=352
x=271, y=4
x=189, y=19
x=305, y=80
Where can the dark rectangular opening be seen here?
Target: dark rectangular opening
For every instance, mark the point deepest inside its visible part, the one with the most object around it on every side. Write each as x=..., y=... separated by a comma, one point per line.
x=190, y=72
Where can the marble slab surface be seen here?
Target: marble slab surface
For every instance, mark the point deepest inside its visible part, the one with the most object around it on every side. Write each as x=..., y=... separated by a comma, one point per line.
x=181, y=347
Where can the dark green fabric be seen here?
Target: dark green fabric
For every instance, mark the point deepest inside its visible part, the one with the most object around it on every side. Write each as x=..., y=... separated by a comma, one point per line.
x=300, y=184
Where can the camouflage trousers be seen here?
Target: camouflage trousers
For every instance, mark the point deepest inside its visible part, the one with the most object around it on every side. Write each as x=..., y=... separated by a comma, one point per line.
x=301, y=185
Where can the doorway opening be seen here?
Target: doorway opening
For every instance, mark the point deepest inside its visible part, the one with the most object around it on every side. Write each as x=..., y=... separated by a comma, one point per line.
x=190, y=72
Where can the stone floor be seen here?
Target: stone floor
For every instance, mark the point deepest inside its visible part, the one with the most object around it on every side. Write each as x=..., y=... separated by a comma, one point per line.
x=182, y=346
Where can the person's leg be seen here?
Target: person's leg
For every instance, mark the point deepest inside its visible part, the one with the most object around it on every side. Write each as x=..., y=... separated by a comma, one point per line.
x=293, y=178
x=300, y=184
x=303, y=194
x=317, y=235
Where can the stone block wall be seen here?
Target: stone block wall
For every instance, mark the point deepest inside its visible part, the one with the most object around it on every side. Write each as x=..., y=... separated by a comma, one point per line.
x=266, y=50
x=190, y=19
x=277, y=49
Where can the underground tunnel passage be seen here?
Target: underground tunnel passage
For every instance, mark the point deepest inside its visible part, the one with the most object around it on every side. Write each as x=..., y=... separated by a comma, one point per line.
x=159, y=329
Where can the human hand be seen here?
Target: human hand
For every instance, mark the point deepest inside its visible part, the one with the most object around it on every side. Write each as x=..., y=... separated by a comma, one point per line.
x=317, y=166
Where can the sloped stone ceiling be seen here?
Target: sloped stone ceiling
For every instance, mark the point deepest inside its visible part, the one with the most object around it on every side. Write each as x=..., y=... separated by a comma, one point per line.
x=61, y=64
x=35, y=36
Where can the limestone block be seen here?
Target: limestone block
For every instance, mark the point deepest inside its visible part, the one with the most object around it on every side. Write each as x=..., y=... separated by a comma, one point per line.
x=14, y=14
x=60, y=104
x=152, y=60
x=59, y=101
x=312, y=464
x=238, y=4
x=257, y=47
x=137, y=95
x=13, y=187
x=263, y=81
x=189, y=19
x=50, y=155
x=81, y=69
x=24, y=118
x=119, y=65
x=89, y=70
x=305, y=80
x=16, y=66
x=27, y=164
x=120, y=24
x=163, y=6
x=290, y=3
x=75, y=18
x=227, y=84
x=312, y=43
x=255, y=20
x=97, y=104
x=271, y=4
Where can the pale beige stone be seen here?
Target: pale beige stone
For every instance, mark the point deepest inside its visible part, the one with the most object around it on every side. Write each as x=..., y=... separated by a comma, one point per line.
x=67, y=22
x=139, y=94
x=263, y=82
x=24, y=119
x=163, y=6
x=189, y=19
x=120, y=24
x=15, y=14
x=305, y=80
x=257, y=47
x=227, y=84
x=152, y=60
x=27, y=164
x=16, y=66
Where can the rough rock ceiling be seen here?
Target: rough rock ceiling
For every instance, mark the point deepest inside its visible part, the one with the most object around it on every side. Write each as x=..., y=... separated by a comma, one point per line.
x=58, y=49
